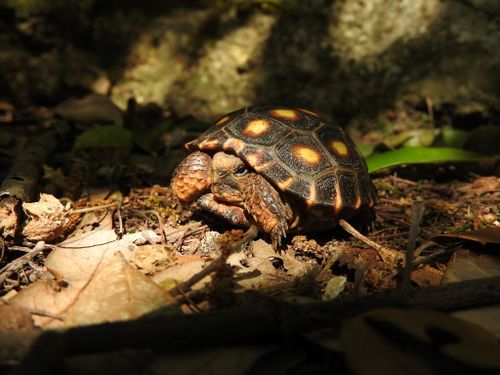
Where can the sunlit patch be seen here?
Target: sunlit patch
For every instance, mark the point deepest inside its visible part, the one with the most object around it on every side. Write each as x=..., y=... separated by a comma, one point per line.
x=306, y=154
x=285, y=114
x=311, y=113
x=222, y=120
x=256, y=128
x=209, y=144
x=233, y=144
x=282, y=185
x=312, y=196
x=339, y=147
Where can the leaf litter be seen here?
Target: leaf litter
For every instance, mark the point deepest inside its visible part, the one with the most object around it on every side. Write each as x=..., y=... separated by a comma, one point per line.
x=121, y=258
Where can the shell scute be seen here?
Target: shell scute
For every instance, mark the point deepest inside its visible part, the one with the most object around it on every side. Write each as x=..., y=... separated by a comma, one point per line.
x=301, y=153
x=256, y=130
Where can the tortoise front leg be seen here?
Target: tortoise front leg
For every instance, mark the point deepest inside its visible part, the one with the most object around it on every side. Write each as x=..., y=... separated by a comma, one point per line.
x=264, y=203
x=233, y=214
x=192, y=177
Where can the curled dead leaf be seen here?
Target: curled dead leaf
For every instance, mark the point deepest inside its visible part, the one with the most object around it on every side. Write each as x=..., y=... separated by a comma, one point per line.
x=47, y=219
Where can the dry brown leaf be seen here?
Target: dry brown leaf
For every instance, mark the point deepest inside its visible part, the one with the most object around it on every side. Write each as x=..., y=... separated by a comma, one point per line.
x=483, y=236
x=267, y=269
x=16, y=345
x=466, y=265
x=76, y=259
x=334, y=286
x=427, y=276
x=93, y=108
x=47, y=218
x=152, y=258
x=177, y=274
x=47, y=296
x=487, y=317
x=14, y=318
x=9, y=216
x=116, y=292
x=395, y=341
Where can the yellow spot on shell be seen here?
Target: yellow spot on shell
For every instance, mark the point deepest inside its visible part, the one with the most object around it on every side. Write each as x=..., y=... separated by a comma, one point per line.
x=307, y=154
x=256, y=128
x=282, y=185
x=340, y=148
x=233, y=144
x=286, y=114
x=222, y=120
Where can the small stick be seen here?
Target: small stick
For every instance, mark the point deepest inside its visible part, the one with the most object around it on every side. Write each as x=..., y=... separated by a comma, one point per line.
x=19, y=262
x=96, y=208
x=387, y=254
x=215, y=264
x=416, y=218
x=160, y=225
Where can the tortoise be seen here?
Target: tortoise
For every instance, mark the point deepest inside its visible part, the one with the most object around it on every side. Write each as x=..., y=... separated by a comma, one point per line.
x=282, y=169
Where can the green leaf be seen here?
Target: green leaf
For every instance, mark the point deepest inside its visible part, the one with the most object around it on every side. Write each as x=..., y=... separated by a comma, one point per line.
x=111, y=136
x=419, y=155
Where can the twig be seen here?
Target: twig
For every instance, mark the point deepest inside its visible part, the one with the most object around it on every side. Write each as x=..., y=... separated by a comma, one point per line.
x=160, y=225
x=95, y=208
x=19, y=262
x=215, y=264
x=387, y=254
x=24, y=173
x=416, y=218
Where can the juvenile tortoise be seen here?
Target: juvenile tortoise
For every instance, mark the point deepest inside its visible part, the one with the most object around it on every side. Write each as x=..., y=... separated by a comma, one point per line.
x=283, y=169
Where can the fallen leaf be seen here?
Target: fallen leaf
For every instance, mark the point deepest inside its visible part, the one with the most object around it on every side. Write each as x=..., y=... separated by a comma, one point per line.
x=152, y=258
x=47, y=218
x=396, y=341
x=74, y=262
x=14, y=318
x=483, y=236
x=466, y=265
x=76, y=259
x=93, y=108
x=116, y=292
x=177, y=274
x=427, y=276
x=487, y=317
x=334, y=287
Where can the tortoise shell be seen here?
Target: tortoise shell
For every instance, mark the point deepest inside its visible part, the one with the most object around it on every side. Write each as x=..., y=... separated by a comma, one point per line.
x=313, y=163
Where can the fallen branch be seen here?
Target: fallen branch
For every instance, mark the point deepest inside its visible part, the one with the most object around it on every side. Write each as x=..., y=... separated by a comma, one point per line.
x=271, y=322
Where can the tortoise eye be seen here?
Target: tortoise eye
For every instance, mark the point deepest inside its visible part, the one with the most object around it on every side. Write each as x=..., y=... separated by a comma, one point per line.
x=241, y=171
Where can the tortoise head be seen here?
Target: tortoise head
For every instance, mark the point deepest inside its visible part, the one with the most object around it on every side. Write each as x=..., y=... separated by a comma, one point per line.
x=229, y=174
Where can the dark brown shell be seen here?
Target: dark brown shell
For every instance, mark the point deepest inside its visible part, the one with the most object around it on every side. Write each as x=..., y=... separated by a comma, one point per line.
x=315, y=165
